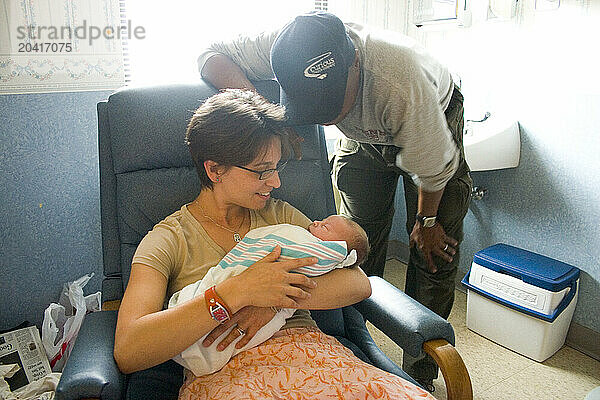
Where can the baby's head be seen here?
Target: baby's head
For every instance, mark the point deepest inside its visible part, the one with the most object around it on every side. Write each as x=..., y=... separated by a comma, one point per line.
x=337, y=227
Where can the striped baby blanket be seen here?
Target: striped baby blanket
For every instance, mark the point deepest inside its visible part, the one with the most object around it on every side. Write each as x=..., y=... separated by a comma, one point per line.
x=295, y=242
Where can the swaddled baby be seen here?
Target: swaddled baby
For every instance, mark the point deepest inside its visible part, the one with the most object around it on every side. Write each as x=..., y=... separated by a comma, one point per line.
x=336, y=242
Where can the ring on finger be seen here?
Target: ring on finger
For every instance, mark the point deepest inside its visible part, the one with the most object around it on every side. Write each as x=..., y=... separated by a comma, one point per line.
x=240, y=331
x=446, y=248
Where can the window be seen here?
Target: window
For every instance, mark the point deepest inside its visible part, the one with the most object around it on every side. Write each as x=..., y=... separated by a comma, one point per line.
x=428, y=11
x=176, y=32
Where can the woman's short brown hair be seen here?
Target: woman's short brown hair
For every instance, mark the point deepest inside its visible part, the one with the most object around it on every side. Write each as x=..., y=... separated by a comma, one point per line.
x=233, y=127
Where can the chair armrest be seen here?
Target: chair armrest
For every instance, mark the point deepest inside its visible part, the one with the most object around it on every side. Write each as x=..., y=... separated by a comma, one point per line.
x=415, y=328
x=91, y=371
x=403, y=319
x=454, y=371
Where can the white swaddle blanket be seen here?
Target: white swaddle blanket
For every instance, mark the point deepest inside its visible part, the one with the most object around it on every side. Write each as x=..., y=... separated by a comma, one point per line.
x=295, y=242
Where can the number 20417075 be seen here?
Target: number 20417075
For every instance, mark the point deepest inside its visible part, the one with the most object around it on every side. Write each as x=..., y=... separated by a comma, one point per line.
x=45, y=47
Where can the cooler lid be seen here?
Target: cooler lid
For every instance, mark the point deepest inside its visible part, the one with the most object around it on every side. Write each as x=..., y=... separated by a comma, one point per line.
x=532, y=268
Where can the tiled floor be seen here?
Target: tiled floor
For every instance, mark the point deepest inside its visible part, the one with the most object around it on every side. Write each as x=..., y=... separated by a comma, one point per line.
x=498, y=373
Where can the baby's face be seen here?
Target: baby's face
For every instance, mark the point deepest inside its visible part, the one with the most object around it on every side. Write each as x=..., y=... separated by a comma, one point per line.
x=333, y=227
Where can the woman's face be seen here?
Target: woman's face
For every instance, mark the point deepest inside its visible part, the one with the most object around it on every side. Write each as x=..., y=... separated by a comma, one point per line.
x=244, y=188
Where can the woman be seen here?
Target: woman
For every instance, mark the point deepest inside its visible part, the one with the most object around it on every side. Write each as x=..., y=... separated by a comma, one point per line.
x=236, y=139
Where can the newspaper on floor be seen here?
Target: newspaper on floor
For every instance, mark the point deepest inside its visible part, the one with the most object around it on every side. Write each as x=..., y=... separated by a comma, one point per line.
x=23, y=347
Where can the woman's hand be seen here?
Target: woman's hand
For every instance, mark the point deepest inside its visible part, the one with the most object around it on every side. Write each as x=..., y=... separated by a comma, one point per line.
x=249, y=319
x=269, y=283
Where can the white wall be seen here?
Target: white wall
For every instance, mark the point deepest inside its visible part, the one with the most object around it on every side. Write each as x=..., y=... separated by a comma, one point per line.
x=541, y=68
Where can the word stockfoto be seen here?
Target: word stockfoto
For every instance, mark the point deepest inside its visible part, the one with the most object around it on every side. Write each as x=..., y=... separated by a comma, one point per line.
x=84, y=32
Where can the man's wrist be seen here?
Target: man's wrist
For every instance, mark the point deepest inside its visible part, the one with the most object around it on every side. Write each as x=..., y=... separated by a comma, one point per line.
x=428, y=202
x=426, y=221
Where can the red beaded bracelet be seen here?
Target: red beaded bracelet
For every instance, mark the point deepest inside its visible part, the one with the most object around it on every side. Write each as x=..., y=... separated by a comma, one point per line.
x=216, y=306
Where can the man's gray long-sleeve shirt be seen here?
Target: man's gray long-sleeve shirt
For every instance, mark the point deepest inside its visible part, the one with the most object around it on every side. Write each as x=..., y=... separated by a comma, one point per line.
x=401, y=100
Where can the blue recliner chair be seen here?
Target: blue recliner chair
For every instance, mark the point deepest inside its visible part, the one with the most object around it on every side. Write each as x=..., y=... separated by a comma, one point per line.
x=145, y=174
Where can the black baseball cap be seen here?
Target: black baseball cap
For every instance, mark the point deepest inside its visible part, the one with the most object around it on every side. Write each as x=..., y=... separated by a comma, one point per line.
x=310, y=59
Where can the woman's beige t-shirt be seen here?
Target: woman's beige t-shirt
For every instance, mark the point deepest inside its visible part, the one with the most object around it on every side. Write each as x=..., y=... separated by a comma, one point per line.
x=179, y=248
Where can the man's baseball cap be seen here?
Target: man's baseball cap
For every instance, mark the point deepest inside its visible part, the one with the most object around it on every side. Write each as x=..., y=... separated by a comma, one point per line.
x=310, y=59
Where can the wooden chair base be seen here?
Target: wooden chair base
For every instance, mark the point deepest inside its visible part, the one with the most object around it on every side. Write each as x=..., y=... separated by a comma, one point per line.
x=454, y=371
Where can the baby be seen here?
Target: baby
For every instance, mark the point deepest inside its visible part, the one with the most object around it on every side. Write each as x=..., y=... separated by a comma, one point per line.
x=336, y=242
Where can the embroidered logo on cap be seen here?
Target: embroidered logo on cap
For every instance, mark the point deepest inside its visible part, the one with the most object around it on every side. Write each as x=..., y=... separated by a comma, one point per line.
x=318, y=65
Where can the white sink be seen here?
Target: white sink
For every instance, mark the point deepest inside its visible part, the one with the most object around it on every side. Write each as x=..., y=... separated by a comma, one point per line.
x=492, y=144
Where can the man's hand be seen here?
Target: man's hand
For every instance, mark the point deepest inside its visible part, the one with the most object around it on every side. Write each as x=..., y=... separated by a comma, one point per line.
x=249, y=319
x=432, y=241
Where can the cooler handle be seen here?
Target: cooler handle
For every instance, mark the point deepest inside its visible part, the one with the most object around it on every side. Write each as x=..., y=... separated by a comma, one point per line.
x=566, y=300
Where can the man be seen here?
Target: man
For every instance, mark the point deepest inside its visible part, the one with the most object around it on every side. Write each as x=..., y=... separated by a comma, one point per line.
x=401, y=115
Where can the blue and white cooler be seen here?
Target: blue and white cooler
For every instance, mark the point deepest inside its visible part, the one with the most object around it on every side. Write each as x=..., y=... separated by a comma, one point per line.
x=521, y=300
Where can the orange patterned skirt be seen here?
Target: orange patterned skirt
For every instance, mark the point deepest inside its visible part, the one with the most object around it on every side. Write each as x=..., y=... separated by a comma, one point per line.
x=299, y=363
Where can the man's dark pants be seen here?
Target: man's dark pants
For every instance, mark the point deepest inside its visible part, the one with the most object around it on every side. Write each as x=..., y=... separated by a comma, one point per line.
x=366, y=178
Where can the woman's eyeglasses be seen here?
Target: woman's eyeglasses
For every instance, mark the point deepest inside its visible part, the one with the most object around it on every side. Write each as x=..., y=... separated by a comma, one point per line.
x=267, y=173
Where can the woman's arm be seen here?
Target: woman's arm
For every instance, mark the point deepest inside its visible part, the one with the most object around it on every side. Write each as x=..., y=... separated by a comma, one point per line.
x=338, y=288
x=146, y=335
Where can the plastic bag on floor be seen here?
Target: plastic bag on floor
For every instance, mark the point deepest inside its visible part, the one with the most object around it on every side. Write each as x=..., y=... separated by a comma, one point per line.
x=63, y=320
x=42, y=389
